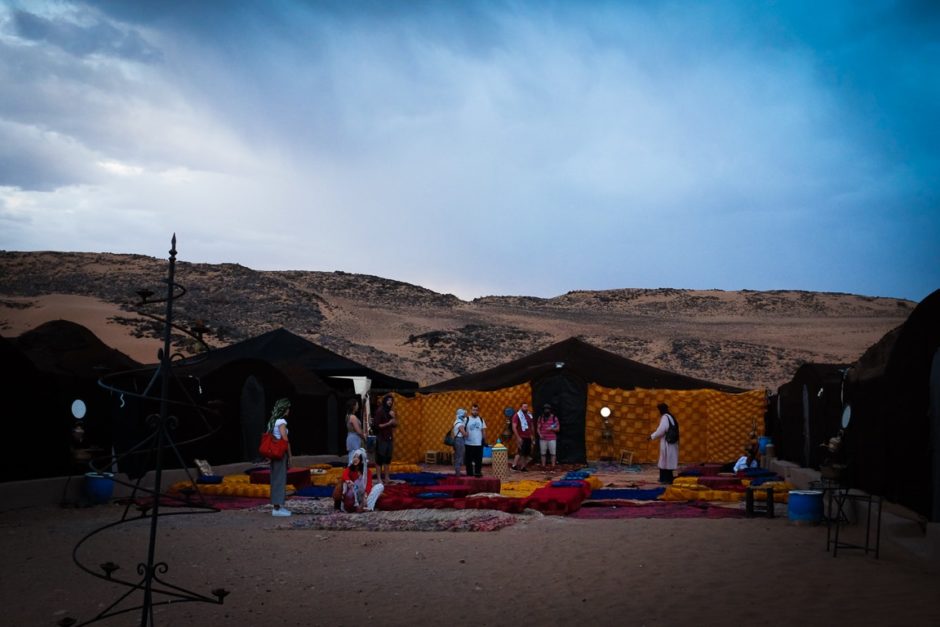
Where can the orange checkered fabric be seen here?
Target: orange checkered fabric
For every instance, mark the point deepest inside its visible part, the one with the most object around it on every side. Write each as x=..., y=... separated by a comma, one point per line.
x=424, y=419
x=714, y=426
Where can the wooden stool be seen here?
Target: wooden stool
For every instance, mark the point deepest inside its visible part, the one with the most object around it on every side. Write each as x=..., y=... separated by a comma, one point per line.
x=626, y=458
x=753, y=508
x=430, y=457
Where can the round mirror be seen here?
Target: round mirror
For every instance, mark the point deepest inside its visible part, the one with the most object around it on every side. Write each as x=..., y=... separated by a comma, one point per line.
x=508, y=412
x=605, y=412
x=846, y=416
x=78, y=408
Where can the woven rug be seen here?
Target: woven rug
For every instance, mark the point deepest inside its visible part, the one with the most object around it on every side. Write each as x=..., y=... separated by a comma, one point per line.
x=625, y=509
x=406, y=520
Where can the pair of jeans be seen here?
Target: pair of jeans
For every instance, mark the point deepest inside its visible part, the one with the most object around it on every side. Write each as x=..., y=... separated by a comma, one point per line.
x=459, y=454
x=474, y=456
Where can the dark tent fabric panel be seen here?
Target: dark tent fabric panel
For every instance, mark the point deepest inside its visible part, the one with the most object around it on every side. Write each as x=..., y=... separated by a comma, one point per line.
x=31, y=415
x=567, y=395
x=934, y=414
x=788, y=441
x=252, y=407
x=810, y=412
x=888, y=442
x=908, y=375
x=47, y=368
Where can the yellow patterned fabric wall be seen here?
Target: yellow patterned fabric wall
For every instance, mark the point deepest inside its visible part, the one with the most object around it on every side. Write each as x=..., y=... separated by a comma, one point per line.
x=424, y=419
x=714, y=426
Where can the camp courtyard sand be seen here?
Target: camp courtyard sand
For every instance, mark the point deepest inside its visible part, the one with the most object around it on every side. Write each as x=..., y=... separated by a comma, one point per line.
x=541, y=570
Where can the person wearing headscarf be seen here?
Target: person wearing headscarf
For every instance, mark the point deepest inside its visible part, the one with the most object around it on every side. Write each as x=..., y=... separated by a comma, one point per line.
x=278, y=427
x=355, y=492
x=460, y=439
x=668, y=451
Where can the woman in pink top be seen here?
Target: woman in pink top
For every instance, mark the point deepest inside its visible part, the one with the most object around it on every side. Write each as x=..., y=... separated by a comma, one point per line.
x=548, y=434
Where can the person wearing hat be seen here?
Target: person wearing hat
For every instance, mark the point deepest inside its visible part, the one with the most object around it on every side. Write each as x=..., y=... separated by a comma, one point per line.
x=548, y=427
x=522, y=428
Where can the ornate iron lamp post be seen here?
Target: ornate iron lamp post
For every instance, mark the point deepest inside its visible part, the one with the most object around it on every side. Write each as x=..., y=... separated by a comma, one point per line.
x=152, y=584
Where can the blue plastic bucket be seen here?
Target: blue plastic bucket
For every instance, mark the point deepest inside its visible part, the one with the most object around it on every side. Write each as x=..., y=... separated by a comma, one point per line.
x=762, y=443
x=99, y=487
x=805, y=506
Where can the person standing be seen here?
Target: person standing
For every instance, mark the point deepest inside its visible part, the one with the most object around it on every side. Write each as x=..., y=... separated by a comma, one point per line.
x=278, y=427
x=476, y=437
x=460, y=439
x=548, y=427
x=355, y=436
x=668, y=435
x=522, y=427
x=385, y=424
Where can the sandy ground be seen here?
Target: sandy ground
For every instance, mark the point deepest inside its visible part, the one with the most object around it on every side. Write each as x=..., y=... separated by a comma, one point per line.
x=540, y=571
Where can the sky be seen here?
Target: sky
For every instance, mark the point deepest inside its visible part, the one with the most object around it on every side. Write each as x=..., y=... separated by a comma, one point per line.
x=484, y=148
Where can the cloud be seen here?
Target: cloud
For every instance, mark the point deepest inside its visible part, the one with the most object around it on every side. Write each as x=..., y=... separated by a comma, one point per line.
x=499, y=147
x=83, y=35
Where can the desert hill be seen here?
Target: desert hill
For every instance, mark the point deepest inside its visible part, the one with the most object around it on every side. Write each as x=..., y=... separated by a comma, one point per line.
x=748, y=339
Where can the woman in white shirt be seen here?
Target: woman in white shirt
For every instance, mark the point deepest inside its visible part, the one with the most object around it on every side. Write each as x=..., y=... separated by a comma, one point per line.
x=279, y=466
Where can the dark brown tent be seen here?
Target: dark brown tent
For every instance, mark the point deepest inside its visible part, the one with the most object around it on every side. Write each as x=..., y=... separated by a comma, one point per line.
x=559, y=375
x=892, y=443
x=46, y=370
x=243, y=380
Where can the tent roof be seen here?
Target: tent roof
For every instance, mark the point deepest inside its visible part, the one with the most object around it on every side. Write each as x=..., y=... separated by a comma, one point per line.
x=296, y=357
x=913, y=341
x=592, y=364
x=815, y=374
x=68, y=348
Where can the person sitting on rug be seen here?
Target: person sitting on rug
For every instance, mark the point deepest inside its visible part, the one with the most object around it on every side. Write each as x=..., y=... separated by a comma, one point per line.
x=748, y=460
x=355, y=492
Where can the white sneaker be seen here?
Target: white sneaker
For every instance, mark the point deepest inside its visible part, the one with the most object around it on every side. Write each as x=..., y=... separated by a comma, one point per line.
x=281, y=512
